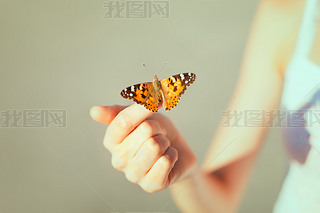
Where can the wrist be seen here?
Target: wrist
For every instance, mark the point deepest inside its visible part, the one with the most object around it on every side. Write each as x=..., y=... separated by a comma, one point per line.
x=188, y=176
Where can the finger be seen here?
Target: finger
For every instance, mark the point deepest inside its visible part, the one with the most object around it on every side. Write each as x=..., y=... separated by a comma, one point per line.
x=123, y=153
x=124, y=123
x=148, y=154
x=158, y=176
x=105, y=114
x=147, y=129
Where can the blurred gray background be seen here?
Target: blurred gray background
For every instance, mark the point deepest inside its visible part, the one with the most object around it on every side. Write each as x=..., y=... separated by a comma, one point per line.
x=68, y=55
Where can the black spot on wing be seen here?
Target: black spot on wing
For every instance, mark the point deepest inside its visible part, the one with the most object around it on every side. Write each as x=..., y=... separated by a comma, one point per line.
x=186, y=78
x=172, y=103
x=128, y=93
x=138, y=92
x=175, y=89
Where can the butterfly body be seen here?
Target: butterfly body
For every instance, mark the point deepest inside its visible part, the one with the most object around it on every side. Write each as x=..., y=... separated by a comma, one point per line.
x=167, y=91
x=157, y=89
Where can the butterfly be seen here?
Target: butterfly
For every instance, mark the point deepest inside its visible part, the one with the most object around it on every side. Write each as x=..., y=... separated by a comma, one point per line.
x=167, y=91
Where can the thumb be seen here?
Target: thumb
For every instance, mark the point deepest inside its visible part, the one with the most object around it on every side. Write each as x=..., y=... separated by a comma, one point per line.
x=105, y=114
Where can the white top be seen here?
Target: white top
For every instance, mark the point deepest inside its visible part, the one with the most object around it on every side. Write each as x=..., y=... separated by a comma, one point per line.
x=301, y=104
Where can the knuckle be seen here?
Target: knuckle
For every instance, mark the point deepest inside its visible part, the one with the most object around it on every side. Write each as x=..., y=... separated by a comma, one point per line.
x=117, y=163
x=150, y=190
x=122, y=121
x=151, y=187
x=148, y=127
x=165, y=142
x=153, y=145
x=132, y=177
x=166, y=161
x=170, y=157
x=157, y=144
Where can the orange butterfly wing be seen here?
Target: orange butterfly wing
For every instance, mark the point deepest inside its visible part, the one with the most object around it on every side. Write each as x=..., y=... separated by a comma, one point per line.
x=143, y=94
x=174, y=86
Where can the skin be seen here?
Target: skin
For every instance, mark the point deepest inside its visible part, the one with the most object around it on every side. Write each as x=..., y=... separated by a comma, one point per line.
x=151, y=152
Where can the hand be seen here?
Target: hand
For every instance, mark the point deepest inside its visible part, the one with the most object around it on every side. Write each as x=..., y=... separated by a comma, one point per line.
x=146, y=146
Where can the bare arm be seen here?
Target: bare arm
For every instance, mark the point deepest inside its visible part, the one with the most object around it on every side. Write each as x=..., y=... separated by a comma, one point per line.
x=219, y=184
x=150, y=151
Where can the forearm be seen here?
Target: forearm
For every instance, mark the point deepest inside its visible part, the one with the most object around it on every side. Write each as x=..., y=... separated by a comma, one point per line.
x=199, y=193
x=218, y=192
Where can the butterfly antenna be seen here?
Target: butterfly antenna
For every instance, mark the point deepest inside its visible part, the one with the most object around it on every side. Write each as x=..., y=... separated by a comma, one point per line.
x=145, y=66
x=165, y=64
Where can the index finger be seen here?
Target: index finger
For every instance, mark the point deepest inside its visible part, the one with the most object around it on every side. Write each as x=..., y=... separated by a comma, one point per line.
x=124, y=123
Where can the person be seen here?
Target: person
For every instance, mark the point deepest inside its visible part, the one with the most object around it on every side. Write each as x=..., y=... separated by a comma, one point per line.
x=280, y=65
